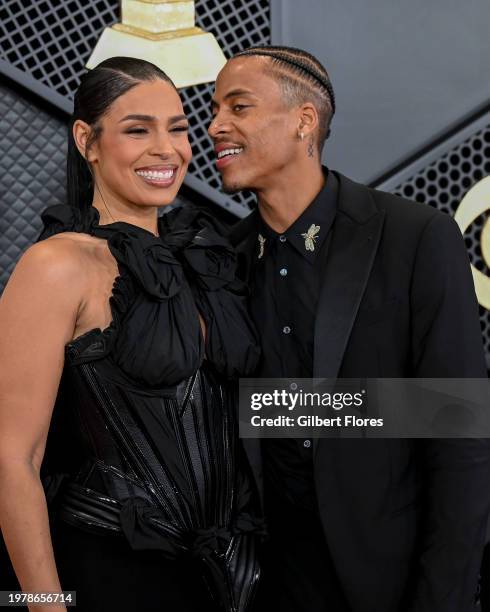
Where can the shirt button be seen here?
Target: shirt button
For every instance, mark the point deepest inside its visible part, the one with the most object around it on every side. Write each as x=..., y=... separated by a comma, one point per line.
x=282, y=238
x=307, y=443
x=286, y=330
x=283, y=271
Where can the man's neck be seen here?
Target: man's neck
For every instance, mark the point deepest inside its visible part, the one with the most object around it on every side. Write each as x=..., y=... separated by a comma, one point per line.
x=288, y=195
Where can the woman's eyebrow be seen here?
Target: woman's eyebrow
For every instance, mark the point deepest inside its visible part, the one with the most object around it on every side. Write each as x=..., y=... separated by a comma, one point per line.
x=136, y=117
x=176, y=118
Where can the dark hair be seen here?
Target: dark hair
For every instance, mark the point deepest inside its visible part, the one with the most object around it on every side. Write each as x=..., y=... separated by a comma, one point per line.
x=97, y=91
x=302, y=78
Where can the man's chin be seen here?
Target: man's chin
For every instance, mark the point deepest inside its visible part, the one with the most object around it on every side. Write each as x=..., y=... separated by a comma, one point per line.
x=231, y=185
x=231, y=188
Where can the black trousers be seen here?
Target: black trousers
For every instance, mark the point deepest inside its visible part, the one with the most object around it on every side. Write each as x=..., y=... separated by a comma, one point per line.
x=298, y=572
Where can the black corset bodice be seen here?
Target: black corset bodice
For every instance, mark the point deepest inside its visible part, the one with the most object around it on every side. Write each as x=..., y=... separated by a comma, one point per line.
x=144, y=443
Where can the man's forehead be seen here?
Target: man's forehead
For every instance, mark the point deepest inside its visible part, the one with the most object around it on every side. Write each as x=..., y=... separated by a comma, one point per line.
x=244, y=75
x=239, y=66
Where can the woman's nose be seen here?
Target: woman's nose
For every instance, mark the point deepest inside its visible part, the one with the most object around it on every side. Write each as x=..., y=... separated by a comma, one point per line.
x=162, y=146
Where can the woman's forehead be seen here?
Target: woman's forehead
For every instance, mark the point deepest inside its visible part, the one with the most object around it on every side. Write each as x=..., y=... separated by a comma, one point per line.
x=157, y=98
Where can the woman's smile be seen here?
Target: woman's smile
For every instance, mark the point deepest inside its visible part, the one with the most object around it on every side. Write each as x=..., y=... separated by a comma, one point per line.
x=158, y=176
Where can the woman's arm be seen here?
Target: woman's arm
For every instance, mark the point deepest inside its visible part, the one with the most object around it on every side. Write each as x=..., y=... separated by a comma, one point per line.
x=38, y=313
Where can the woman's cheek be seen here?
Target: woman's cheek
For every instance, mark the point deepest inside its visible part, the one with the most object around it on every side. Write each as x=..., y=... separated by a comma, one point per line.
x=186, y=152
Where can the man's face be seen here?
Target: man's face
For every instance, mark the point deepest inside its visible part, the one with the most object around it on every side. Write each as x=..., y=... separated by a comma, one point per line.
x=253, y=130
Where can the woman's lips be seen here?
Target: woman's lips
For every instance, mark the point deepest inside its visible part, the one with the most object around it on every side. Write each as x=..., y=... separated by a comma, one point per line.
x=158, y=178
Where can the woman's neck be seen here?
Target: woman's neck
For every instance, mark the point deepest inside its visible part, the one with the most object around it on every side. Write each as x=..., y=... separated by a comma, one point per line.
x=113, y=211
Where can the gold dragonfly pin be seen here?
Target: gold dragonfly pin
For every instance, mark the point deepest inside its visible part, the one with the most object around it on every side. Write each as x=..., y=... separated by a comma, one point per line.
x=311, y=236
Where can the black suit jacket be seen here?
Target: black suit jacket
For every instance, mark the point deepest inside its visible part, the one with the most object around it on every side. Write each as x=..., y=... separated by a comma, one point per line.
x=404, y=519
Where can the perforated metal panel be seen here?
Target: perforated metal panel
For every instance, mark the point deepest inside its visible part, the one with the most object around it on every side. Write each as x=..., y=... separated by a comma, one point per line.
x=443, y=182
x=32, y=173
x=50, y=40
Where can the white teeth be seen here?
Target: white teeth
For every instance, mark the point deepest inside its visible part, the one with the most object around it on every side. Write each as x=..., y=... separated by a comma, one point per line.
x=226, y=152
x=156, y=174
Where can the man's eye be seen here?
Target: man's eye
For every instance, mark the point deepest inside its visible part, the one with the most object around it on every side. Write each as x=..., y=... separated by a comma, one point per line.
x=238, y=107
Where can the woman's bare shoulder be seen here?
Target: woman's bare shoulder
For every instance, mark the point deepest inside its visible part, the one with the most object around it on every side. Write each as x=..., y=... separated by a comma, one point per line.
x=59, y=260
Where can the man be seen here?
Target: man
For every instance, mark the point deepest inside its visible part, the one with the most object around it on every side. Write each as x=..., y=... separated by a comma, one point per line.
x=350, y=282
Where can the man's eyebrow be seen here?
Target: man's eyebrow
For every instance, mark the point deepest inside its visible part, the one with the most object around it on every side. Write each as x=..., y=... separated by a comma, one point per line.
x=133, y=117
x=234, y=93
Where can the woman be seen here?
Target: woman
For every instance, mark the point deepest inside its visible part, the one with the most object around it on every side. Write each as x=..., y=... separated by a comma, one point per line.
x=120, y=335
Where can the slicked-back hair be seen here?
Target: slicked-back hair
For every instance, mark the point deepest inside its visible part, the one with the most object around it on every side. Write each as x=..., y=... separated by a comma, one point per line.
x=98, y=90
x=302, y=78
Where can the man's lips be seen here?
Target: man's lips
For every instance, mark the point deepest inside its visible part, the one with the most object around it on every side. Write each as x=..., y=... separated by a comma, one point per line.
x=226, y=153
x=221, y=146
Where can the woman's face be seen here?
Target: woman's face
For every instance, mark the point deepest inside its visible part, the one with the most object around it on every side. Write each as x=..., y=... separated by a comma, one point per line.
x=142, y=155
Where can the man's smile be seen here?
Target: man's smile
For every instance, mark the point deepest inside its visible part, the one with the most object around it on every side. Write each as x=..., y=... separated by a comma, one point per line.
x=227, y=153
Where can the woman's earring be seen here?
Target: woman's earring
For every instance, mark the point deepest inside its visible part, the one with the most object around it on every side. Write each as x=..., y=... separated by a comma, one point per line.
x=301, y=135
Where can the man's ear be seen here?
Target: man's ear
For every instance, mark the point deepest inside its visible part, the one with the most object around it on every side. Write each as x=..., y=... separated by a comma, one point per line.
x=308, y=119
x=81, y=134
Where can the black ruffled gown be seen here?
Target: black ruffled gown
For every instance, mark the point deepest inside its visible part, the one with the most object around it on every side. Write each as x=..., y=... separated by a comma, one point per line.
x=151, y=503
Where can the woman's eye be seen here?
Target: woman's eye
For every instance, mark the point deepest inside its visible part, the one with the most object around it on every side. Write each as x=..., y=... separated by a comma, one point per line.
x=137, y=131
x=181, y=128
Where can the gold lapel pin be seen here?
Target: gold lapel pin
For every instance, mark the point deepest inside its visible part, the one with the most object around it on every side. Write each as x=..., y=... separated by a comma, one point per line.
x=261, y=246
x=311, y=236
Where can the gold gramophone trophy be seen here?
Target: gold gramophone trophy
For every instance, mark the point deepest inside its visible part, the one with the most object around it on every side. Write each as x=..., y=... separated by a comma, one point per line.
x=475, y=203
x=164, y=33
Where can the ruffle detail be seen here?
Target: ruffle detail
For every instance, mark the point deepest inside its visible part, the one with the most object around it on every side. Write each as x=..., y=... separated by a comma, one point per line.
x=150, y=261
x=212, y=260
x=97, y=343
x=62, y=218
x=193, y=236
x=163, y=282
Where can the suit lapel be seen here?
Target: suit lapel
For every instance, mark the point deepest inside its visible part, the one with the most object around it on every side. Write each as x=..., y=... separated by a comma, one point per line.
x=356, y=235
x=355, y=239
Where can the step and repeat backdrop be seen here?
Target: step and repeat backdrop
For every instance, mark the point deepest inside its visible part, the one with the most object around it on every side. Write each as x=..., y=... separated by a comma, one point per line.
x=413, y=105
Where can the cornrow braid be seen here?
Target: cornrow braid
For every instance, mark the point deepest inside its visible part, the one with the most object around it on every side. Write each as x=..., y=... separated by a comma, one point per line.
x=299, y=59
x=302, y=79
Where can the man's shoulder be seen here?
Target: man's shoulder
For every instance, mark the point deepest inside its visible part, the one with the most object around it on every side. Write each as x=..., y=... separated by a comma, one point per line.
x=401, y=215
x=404, y=209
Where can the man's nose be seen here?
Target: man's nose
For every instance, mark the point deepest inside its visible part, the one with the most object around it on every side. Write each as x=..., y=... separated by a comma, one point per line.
x=217, y=126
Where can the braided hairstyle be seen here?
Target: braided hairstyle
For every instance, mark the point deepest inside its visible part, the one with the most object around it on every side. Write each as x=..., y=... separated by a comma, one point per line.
x=302, y=79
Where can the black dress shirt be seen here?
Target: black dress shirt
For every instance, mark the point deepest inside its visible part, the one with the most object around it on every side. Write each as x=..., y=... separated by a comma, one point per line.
x=285, y=287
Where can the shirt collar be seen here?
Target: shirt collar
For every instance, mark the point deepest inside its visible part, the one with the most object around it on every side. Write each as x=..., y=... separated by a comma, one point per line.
x=308, y=233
